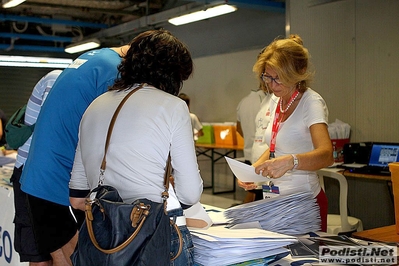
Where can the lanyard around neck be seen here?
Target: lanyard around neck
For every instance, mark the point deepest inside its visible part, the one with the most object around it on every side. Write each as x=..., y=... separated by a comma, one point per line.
x=276, y=125
x=275, y=128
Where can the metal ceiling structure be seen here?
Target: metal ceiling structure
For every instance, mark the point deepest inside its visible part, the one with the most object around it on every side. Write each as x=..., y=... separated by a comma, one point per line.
x=51, y=25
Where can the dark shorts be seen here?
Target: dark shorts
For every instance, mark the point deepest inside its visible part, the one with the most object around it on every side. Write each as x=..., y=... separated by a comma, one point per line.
x=24, y=240
x=53, y=224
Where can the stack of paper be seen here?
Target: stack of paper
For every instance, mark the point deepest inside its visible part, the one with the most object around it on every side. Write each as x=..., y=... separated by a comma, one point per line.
x=291, y=214
x=222, y=246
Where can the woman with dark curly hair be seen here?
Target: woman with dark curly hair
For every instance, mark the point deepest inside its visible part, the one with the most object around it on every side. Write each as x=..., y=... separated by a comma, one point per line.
x=152, y=123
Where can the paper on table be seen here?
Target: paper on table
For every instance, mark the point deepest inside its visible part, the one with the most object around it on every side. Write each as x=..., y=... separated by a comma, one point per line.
x=197, y=217
x=216, y=214
x=249, y=233
x=244, y=172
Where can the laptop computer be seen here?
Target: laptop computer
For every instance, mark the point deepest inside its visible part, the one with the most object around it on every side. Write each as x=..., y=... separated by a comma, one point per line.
x=381, y=155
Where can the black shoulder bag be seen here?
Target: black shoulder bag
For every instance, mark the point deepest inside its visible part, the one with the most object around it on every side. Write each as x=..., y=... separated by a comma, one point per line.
x=116, y=233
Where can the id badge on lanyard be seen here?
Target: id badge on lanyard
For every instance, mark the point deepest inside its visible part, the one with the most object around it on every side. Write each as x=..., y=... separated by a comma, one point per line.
x=270, y=190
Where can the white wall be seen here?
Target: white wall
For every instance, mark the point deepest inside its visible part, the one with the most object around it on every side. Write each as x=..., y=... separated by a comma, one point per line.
x=224, y=50
x=218, y=84
x=354, y=49
x=353, y=44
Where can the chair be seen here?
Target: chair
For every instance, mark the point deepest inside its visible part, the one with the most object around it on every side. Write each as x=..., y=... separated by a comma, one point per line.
x=340, y=223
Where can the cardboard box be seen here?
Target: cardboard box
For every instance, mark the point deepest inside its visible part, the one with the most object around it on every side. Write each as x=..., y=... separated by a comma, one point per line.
x=394, y=169
x=225, y=134
x=208, y=137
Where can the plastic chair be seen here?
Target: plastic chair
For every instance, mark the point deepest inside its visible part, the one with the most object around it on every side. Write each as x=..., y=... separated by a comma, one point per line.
x=340, y=223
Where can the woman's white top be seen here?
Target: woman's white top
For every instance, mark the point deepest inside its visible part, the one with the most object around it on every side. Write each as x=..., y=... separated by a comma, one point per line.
x=294, y=137
x=150, y=124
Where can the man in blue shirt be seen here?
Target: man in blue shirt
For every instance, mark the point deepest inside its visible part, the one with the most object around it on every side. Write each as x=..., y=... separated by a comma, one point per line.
x=24, y=239
x=46, y=173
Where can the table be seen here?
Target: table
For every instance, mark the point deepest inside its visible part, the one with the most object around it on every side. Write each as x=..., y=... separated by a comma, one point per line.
x=366, y=176
x=385, y=234
x=386, y=178
x=213, y=151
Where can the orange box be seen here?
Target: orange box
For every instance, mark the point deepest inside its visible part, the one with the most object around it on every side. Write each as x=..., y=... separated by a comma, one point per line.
x=338, y=149
x=394, y=169
x=225, y=134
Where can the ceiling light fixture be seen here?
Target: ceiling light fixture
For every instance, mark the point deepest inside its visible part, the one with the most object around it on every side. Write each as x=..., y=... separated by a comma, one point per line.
x=203, y=14
x=30, y=61
x=82, y=46
x=12, y=3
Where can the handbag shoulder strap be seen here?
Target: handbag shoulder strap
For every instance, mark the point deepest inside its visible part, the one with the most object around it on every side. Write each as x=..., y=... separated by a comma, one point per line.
x=112, y=123
x=168, y=170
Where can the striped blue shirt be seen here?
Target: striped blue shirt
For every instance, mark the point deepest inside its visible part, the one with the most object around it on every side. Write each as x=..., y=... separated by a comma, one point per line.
x=34, y=105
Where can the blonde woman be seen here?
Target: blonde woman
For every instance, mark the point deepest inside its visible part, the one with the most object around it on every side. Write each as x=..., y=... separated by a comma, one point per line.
x=299, y=143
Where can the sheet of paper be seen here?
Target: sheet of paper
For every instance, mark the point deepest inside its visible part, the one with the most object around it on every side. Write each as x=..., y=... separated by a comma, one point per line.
x=198, y=217
x=244, y=172
x=253, y=234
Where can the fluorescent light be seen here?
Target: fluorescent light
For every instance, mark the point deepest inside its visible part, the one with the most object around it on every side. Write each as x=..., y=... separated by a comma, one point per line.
x=29, y=61
x=203, y=14
x=82, y=46
x=12, y=3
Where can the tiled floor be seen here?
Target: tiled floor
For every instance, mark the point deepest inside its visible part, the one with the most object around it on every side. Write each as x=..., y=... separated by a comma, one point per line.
x=221, y=200
x=223, y=181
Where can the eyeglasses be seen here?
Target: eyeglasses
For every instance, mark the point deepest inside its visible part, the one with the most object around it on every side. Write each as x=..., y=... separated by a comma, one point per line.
x=269, y=79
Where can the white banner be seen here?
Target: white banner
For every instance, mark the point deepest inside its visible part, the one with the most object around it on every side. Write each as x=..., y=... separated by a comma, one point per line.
x=8, y=256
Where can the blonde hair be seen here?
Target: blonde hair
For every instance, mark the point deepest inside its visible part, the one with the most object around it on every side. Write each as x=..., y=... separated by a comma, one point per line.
x=289, y=59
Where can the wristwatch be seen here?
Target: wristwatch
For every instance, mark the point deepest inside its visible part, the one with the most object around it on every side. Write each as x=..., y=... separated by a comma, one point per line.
x=295, y=161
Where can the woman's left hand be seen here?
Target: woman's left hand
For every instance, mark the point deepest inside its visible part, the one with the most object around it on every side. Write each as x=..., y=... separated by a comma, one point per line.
x=276, y=167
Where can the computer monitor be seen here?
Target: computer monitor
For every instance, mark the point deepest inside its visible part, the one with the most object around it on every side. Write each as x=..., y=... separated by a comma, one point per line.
x=383, y=153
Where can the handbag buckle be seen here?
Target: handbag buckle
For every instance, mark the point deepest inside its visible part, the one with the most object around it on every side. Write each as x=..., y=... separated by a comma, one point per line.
x=139, y=212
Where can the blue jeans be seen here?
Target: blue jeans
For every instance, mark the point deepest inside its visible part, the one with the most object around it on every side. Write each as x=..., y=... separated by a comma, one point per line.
x=186, y=257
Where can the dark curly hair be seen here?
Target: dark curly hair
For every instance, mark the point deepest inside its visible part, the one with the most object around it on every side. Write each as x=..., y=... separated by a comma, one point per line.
x=157, y=58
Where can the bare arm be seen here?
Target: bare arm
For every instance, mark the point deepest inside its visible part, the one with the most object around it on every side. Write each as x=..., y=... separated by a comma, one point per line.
x=200, y=133
x=313, y=160
x=78, y=203
x=262, y=158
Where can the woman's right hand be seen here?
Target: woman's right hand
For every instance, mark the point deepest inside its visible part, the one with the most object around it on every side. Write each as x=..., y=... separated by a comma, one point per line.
x=247, y=185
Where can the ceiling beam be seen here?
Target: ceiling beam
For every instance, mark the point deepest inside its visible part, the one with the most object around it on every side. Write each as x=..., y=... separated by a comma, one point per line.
x=154, y=20
x=144, y=22
x=35, y=37
x=35, y=48
x=50, y=21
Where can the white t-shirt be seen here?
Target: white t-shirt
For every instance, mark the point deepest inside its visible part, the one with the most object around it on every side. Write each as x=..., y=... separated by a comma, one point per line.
x=196, y=125
x=294, y=137
x=247, y=109
x=150, y=124
x=262, y=121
